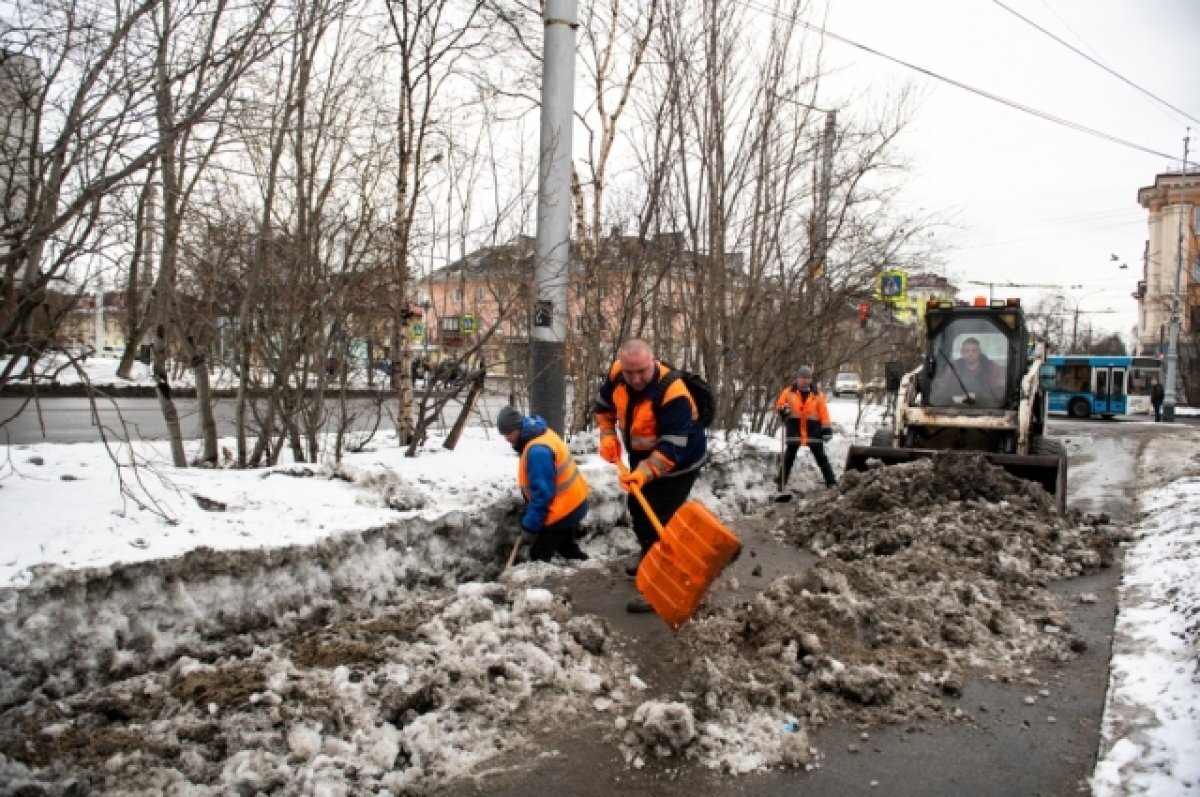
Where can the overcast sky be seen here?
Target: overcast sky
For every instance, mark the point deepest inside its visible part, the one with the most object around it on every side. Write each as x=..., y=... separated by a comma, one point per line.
x=1033, y=201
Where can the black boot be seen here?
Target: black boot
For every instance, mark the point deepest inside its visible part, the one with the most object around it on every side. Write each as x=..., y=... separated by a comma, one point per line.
x=638, y=605
x=570, y=550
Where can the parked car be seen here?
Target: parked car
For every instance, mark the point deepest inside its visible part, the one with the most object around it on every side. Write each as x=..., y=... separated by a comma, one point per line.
x=877, y=387
x=847, y=384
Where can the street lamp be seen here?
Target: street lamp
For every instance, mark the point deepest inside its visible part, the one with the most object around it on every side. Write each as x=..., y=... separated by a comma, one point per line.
x=1172, y=363
x=1076, y=311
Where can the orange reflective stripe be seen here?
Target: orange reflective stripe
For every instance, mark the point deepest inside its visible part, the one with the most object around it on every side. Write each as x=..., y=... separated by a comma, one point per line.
x=658, y=463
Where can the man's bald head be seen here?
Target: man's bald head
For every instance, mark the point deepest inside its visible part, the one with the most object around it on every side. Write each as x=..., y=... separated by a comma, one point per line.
x=637, y=363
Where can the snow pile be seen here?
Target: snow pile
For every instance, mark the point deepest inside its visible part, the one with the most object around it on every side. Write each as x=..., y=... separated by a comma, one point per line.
x=926, y=574
x=1151, y=735
x=395, y=704
x=302, y=655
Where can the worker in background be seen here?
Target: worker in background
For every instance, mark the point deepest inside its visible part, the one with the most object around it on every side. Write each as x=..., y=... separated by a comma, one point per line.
x=802, y=409
x=554, y=489
x=658, y=421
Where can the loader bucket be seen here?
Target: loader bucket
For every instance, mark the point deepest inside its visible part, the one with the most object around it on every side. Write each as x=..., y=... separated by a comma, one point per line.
x=1048, y=471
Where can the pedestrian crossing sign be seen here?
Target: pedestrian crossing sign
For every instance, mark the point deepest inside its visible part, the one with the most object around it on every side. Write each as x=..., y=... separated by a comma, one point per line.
x=892, y=286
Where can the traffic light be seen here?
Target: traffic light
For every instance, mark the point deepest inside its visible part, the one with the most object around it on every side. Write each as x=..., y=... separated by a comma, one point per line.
x=864, y=313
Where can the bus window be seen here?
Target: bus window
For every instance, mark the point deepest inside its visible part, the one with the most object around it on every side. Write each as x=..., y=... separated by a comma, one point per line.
x=1076, y=378
x=1141, y=379
x=1101, y=382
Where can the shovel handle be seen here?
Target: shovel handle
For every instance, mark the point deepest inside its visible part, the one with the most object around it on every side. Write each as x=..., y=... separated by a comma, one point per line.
x=637, y=493
x=513, y=556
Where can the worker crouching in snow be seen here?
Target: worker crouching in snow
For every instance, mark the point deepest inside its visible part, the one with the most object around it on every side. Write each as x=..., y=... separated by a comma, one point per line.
x=555, y=491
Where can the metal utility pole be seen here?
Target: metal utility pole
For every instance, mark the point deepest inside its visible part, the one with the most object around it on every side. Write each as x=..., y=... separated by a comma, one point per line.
x=552, y=259
x=1075, y=323
x=818, y=224
x=1173, y=337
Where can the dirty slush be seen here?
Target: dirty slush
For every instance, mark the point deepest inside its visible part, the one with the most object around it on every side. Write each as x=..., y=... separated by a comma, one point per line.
x=927, y=574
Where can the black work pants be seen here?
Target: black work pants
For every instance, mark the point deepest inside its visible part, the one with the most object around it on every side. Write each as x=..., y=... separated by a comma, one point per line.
x=557, y=538
x=665, y=496
x=818, y=451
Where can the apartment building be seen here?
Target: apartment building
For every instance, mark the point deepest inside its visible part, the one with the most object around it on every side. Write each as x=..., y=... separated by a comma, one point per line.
x=488, y=294
x=1172, y=244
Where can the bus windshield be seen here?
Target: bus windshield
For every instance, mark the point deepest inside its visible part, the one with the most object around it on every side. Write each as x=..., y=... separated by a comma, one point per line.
x=1142, y=373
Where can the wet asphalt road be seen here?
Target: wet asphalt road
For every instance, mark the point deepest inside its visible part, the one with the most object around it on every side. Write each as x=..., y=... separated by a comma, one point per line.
x=1013, y=748
x=75, y=420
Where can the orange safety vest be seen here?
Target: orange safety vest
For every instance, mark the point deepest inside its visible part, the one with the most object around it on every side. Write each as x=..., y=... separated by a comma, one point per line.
x=643, y=436
x=804, y=411
x=570, y=488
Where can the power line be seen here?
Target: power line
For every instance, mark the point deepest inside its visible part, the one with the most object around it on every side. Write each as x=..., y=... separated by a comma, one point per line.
x=1082, y=54
x=1049, y=117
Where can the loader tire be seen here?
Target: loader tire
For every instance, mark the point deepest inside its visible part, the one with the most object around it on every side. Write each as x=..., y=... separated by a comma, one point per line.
x=882, y=438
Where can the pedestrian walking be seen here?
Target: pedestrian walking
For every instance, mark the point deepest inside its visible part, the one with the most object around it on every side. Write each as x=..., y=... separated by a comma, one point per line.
x=1157, y=394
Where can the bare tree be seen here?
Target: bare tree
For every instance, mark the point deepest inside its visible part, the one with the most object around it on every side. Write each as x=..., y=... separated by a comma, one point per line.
x=199, y=55
x=76, y=124
x=138, y=275
x=616, y=37
x=787, y=214
x=433, y=41
x=313, y=263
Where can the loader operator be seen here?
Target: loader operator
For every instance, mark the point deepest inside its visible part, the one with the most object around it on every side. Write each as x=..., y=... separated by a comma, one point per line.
x=973, y=375
x=554, y=489
x=658, y=421
x=805, y=415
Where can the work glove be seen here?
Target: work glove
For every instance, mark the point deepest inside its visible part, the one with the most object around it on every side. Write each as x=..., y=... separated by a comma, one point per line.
x=826, y=435
x=610, y=448
x=633, y=479
x=784, y=412
x=528, y=537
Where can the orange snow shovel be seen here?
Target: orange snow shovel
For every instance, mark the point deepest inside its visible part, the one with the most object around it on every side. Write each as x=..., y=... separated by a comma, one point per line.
x=692, y=550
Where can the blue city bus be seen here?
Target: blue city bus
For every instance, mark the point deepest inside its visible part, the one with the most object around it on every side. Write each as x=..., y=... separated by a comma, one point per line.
x=1103, y=385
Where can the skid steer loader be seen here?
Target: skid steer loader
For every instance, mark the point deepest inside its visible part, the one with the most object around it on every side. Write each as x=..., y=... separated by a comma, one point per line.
x=979, y=388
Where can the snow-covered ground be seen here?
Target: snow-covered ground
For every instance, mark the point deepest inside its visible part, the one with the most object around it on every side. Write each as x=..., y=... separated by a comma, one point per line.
x=69, y=509
x=1151, y=735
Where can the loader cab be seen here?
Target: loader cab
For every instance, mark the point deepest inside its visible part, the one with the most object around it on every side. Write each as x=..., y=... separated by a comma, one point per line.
x=975, y=357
